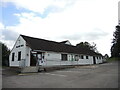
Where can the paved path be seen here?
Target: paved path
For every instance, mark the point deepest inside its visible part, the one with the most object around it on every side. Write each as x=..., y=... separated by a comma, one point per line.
x=95, y=76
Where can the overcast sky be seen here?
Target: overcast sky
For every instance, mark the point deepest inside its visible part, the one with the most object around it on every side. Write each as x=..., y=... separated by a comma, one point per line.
x=59, y=20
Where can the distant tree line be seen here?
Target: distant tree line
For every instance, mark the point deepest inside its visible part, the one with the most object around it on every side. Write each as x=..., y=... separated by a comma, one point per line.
x=115, y=49
x=88, y=46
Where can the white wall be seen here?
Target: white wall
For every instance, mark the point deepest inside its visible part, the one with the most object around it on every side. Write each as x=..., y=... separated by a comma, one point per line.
x=86, y=61
x=98, y=60
x=53, y=58
x=28, y=49
x=68, y=43
x=23, y=49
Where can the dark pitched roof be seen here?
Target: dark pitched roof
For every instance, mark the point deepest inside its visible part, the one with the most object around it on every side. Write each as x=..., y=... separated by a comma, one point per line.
x=46, y=45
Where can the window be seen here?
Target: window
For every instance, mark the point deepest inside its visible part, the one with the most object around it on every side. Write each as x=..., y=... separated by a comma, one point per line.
x=19, y=56
x=72, y=57
x=82, y=57
x=99, y=57
x=86, y=57
x=76, y=57
x=13, y=56
x=64, y=57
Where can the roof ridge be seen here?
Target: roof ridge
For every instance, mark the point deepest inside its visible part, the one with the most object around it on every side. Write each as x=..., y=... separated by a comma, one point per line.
x=45, y=40
x=39, y=38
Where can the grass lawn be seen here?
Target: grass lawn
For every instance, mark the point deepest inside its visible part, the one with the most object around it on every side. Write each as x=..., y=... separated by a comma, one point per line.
x=113, y=59
x=0, y=66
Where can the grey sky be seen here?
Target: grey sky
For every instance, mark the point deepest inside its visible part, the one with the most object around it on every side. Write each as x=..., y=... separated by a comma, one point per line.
x=59, y=20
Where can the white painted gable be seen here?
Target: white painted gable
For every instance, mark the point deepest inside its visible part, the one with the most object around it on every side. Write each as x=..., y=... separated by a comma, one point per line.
x=68, y=42
x=20, y=45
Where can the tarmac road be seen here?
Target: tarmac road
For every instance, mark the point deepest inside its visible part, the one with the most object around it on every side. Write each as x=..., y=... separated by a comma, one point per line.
x=94, y=76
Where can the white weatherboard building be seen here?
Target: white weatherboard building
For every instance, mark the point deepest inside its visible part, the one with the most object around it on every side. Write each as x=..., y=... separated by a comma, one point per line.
x=30, y=51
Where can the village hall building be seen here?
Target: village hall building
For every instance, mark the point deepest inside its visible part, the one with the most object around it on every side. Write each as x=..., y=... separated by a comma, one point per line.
x=30, y=51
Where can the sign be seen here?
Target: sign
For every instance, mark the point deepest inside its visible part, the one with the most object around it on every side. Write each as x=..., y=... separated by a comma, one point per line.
x=19, y=46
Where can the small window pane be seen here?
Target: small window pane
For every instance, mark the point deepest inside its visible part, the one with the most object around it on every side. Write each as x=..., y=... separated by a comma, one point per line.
x=86, y=57
x=82, y=57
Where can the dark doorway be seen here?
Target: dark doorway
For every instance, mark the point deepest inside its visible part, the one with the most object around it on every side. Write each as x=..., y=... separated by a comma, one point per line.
x=36, y=57
x=33, y=59
x=94, y=60
x=64, y=57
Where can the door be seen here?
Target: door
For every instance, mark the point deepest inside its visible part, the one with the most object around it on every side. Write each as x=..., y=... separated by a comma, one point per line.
x=33, y=59
x=94, y=60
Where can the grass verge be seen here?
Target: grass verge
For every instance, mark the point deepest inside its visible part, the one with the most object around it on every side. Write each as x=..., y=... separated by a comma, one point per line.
x=113, y=59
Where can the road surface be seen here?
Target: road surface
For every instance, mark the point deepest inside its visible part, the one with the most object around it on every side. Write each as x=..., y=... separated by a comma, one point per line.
x=94, y=76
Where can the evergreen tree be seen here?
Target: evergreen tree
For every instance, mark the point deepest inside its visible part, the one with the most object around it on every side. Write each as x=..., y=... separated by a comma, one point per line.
x=5, y=55
x=115, y=49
